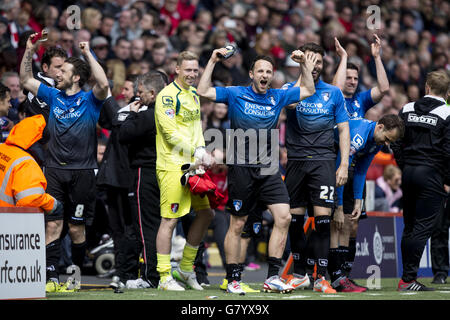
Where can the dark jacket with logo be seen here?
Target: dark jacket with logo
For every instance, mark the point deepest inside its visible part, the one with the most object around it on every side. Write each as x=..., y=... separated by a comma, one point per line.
x=139, y=132
x=115, y=168
x=427, y=135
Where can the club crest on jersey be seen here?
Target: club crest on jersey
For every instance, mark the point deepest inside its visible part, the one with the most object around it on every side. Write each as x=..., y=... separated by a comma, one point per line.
x=78, y=101
x=237, y=204
x=170, y=113
x=272, y=100
x=357, y=104
x=326, y=96
x=257, y=227
x=174, y=207
x=357, y=141
x=122, y=116
x=167, y=100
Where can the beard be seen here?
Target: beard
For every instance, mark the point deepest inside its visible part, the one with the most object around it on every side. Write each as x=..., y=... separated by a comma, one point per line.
x=63, y=85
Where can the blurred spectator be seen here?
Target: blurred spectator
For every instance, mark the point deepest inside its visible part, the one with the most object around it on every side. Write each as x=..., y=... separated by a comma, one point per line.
x=137, y=50
x=91, y=20
x=388, y=194
x=169, y=11
x=179, y=41
x=5, y=100
x=158, y=55
x=100, y=46
x=116, y=71
x=66, y=42
x=122, y=50
x=11, y=80
x=129, y=89
x=106, y=27
x=218, y=119
x=122, y=27
x=81, y=35
x=10, y=11
x=251, y=25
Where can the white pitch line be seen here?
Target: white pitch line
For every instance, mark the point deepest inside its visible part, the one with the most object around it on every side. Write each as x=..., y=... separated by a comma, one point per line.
x=408, y=293
x=296, y=297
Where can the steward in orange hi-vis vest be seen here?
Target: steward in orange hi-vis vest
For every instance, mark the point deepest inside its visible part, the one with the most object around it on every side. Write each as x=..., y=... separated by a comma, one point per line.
x=22, y=182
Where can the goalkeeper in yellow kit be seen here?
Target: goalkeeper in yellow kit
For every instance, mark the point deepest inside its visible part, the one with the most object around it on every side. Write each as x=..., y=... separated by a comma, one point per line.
x=179, y=140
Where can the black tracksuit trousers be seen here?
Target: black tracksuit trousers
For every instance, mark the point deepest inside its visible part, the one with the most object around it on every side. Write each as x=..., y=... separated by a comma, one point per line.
x=123, y=234
x=146, y=218
x=423, y=197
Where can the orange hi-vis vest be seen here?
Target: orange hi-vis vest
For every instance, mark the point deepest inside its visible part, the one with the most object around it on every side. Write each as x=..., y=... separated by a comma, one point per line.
x=22, y=182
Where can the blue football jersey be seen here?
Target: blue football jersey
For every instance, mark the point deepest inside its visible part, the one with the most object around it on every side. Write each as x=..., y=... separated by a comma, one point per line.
x=309, y=133
x=257, y=115
x=72, y=126
x=362, y=151
x=358, y=105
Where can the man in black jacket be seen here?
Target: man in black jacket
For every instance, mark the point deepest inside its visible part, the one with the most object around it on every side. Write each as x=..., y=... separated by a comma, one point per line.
x=424, y=157
x=138, y=131
x=114, y=176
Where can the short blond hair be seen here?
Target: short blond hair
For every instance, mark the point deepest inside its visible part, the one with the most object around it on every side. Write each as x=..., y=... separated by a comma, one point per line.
x=186, y=55
x=390, y=171
x=439, y=82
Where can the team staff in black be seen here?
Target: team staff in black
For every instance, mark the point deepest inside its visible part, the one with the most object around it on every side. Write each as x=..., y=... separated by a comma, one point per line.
x=138, y=131
x=114, y=176
x=424, y=157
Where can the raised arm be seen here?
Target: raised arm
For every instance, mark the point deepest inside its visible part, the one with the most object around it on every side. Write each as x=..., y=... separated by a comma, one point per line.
x=101, y=86
x=341, y=73
x=305, y=80
x=307, y=87
x=382, y=86
x=205, y=89
x=27, y=79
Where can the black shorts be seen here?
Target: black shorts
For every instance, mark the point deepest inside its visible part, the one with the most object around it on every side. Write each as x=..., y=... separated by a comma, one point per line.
x=253, y=225
x=311, y=182
x=247, y=189
x=76, y=190
x=348, y=196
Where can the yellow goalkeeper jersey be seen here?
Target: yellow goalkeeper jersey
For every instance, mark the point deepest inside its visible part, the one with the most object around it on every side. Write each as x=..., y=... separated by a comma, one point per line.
x=178, y=126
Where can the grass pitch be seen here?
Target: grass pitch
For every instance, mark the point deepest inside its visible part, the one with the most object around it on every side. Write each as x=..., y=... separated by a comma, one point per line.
x=388, y=291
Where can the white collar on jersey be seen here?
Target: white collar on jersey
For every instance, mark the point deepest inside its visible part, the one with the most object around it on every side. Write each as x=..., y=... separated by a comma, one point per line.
x=435, y=97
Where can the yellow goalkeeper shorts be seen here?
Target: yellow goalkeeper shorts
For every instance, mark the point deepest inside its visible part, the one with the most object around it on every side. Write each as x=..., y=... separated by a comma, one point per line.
x=177, y=200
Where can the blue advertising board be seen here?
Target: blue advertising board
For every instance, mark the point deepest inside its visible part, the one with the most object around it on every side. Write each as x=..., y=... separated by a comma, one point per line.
x=376, y=247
